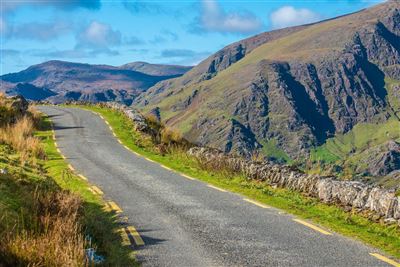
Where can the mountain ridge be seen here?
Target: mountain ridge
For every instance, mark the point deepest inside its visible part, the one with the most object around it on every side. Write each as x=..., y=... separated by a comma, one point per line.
x=81, y=81
x=297, y=88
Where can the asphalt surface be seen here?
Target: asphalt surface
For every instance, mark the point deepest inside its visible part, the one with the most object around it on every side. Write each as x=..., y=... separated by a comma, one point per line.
x=186, y=223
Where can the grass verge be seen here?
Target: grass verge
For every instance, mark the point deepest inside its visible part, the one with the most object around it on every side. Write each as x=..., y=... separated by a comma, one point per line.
x=386, y=238
x=98, y=224
x=47, y=214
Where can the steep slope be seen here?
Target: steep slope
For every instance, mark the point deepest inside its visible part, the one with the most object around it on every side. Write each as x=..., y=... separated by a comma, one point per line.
x=60, y=81
x=290, y=91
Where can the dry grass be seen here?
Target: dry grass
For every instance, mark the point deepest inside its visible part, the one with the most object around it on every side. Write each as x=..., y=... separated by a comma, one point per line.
x=20, y=137
x=48, y=235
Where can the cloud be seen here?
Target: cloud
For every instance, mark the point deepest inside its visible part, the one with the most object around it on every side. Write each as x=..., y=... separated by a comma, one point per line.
x=133, y=40
x=136, y=7
x=164, y=37
x=214, y=19
x=72, y=53
x=98, y=35
x=38, y=31
x=183, y=56
x=11, y=6
x=287, y=16
x=9, y=53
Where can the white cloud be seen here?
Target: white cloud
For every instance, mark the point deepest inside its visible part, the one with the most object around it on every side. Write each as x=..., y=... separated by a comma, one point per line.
x=99, y=35
x=287, y=16
x=214, y=18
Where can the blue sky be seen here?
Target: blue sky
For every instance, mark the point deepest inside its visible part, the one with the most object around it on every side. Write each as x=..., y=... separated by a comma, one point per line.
x=116, y=32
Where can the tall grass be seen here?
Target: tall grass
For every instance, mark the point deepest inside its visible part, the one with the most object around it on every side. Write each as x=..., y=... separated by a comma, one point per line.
x=49, y=234
x=20, y=137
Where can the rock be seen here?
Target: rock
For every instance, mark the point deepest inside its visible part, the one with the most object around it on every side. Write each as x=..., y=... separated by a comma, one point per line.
x=19, y=104
x=350, y=195
x=390, y=221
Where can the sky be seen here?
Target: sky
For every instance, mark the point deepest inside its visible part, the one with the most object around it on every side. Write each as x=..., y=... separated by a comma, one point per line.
x=116, y=32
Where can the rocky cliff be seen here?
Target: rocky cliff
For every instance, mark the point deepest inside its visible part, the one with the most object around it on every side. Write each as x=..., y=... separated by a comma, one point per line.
x=289, y=91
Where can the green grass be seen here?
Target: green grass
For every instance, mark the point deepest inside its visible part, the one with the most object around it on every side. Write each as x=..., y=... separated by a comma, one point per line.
x=360, y=138
x=52, y=174
x=383, y=237
x=99, y=225
x=270, y=149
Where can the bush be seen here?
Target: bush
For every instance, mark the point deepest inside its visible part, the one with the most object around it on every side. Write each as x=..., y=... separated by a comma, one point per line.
x=48, y=235
x=19, y=137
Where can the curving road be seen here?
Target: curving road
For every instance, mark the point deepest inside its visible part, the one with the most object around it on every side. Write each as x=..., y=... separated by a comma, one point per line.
x=187, y=223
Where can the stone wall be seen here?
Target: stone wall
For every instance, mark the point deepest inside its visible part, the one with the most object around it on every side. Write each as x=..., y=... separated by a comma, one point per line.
x=350, y=195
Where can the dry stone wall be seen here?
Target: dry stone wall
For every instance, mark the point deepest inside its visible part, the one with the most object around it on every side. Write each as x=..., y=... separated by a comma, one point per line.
x=351, y=195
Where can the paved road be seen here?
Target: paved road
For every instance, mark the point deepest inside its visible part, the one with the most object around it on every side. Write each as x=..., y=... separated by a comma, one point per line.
x=185, y=222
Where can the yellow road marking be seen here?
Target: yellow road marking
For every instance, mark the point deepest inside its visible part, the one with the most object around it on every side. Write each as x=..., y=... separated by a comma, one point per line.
x=114, y=134
x=167, y=168
x=91, y=190
x=256, y=203
x=122, y=219
x=136, y=236
x=387, y=260
x=55, y=143
x=101, y=117
x=110, y=128
x=187, y=176
x=217, y=188
x=150, y=160
x=107, y=122
x=70, y=167
x=58, y=150
x=126, y=147
x=97, y=190
x=63, y=156
x=316, y=228
x=114, y=207
x=124, y=236
x=82, y=177
x=119, y=141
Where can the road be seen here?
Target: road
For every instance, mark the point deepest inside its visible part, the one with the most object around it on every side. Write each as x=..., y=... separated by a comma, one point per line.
x=185, y=222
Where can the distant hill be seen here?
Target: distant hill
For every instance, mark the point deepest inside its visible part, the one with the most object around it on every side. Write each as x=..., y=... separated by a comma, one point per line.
x=156, y=69
x=286, y=92
x=60, y=81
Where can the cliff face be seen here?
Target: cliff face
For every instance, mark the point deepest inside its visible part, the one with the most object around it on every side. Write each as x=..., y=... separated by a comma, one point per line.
x=294, y=88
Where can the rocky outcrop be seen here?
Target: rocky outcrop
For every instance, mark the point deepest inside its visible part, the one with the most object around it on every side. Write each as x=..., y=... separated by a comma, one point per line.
x=18, y=104
x=379, y=203
x=382, y=160
x=347, y=194
x=295, y=88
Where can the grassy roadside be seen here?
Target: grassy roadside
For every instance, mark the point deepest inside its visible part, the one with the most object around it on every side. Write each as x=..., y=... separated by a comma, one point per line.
x=98, y=224
x=386, y=238
x=48, y=216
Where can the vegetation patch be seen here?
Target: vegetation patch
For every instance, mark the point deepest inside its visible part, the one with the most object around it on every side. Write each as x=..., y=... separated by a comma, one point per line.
x=174, y=156
x=48, y=217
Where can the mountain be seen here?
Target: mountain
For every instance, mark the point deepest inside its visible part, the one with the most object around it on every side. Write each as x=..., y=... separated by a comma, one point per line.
x=294, y=92
x=59, y=81
x=156, y=69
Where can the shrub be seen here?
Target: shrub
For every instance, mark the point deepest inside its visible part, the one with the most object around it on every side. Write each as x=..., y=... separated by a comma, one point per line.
x=48, y=235
x=19, y=137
